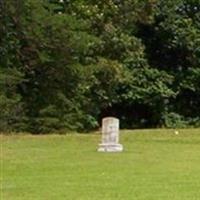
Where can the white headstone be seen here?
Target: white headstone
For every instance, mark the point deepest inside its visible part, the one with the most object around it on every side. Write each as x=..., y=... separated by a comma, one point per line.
x=110, y=135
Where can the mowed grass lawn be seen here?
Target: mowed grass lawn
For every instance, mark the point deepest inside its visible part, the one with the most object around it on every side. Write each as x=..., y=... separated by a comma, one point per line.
x=155, y=165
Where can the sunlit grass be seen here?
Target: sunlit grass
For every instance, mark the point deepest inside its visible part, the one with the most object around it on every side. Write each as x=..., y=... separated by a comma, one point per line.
x=155, y=165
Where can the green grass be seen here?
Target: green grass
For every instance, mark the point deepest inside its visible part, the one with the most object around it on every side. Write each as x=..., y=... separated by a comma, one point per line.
x=155, y=165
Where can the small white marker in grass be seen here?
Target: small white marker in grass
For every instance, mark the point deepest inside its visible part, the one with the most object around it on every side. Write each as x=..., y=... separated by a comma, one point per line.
x=176, y=132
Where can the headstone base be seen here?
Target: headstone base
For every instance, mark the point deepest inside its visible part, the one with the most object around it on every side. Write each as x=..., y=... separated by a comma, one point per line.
x=110, y=147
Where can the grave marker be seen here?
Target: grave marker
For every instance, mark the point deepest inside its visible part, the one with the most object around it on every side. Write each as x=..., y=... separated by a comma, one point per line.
x=110, y=135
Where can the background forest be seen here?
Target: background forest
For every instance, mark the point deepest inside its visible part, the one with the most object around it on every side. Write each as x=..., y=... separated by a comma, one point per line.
x=65, y=64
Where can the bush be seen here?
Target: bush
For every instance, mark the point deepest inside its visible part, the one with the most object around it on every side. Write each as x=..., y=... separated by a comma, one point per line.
x=174, y=120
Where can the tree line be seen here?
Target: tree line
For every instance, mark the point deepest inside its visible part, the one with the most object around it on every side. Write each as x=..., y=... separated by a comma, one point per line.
x=66, y=64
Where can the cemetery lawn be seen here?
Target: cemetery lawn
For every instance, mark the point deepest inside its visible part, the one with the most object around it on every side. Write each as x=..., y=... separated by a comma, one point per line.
x=155, y=165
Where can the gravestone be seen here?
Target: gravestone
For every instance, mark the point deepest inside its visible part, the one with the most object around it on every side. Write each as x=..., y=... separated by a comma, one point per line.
x=110, y=135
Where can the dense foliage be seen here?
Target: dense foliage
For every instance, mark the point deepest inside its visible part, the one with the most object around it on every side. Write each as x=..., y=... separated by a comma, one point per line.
x=66, y=64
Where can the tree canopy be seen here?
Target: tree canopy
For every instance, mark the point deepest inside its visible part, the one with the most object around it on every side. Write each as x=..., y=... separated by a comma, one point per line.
x=66, y=64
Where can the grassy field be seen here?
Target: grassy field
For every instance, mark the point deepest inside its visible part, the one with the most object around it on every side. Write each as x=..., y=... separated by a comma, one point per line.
x=155, y=165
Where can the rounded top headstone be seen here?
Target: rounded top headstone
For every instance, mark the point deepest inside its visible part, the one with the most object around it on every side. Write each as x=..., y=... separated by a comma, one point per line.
x=110, y=135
